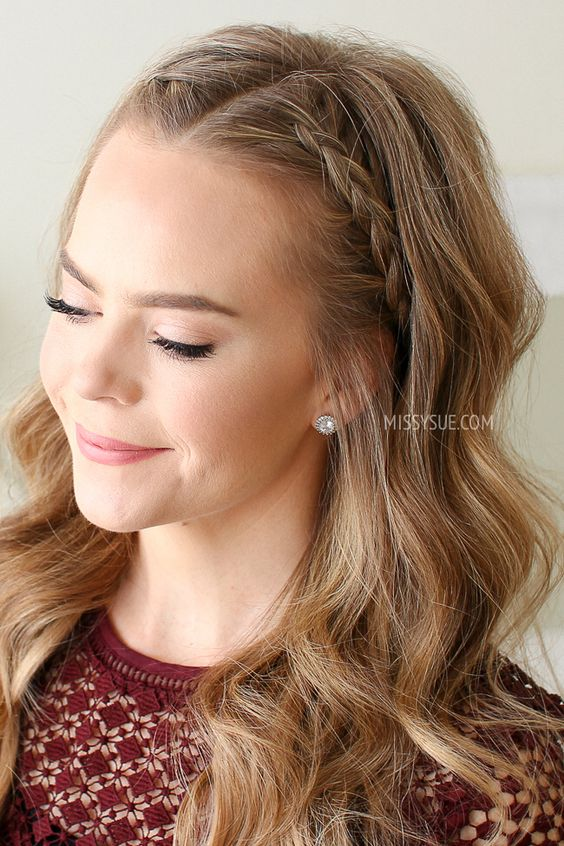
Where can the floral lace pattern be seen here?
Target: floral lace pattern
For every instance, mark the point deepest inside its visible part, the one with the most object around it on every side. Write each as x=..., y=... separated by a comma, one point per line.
x=93, y=765
x=460, y=815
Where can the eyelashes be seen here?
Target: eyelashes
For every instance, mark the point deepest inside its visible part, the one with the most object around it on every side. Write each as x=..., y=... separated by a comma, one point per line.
x=173, y=349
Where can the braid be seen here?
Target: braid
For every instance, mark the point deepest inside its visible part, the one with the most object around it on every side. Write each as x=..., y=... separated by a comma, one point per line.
x=354, y=187
x=347, y=177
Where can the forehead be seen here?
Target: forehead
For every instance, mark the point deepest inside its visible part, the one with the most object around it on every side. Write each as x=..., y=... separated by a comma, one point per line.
x=150, y=214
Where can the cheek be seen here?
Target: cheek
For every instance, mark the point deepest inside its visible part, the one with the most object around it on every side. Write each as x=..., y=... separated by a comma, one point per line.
x=250, y=400
x=209, y=406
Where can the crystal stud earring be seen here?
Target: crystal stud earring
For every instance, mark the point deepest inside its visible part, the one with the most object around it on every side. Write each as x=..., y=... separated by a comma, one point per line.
x=325, y=424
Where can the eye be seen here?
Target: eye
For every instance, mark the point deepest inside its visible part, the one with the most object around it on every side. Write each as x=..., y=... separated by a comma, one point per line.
x=73, y=314
x=174, y=349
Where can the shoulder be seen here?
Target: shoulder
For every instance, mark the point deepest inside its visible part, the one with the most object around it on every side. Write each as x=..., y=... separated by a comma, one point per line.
x=458, y=814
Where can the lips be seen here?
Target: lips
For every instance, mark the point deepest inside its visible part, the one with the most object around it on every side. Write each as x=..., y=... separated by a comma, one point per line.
x=110, y=443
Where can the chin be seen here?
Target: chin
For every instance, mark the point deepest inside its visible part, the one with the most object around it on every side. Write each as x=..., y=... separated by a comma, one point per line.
x=108, y=523
x=106, y=515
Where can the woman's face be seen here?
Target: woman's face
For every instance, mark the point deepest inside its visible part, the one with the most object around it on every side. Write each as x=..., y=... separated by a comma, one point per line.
x=234, y=424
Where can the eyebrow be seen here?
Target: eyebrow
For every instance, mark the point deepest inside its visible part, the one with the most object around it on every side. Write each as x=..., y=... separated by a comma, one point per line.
x=152, y=299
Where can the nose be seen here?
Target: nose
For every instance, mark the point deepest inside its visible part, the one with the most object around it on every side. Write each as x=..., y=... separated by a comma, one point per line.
x=107, y=366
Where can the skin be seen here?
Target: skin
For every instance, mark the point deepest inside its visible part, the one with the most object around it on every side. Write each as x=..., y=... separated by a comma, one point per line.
x=224, y=515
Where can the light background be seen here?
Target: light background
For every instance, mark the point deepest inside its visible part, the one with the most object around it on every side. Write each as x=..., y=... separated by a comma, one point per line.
x=64, y=64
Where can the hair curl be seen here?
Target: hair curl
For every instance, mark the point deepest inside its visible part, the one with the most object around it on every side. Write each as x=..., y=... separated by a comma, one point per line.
x=432, y=546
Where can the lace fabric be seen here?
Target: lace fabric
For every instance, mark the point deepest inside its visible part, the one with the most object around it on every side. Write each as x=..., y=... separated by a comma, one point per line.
x=93, y=765
x=459, y=815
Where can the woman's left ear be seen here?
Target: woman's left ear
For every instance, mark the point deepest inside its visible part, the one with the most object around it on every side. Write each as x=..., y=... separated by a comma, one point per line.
x=384, y=345
x=374, y=370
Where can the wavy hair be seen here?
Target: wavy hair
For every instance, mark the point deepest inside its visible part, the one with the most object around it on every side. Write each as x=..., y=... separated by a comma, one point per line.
x=434, y=545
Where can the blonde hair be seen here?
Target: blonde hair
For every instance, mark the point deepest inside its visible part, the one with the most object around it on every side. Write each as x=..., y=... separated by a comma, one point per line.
x=432, y=546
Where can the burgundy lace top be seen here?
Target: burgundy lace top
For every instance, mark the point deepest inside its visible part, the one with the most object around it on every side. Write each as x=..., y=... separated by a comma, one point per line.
x=93, y=766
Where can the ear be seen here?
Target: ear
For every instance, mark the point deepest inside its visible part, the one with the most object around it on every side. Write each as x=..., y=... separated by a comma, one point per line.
x=382, y=360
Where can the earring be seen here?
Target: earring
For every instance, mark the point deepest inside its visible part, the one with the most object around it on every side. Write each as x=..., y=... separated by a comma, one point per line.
x=325, y=424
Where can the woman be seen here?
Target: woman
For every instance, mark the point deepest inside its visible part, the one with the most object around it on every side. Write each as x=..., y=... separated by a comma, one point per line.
x=258, y=588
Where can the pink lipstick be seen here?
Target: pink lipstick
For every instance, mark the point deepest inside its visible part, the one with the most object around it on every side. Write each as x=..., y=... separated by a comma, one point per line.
x=111, y=451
